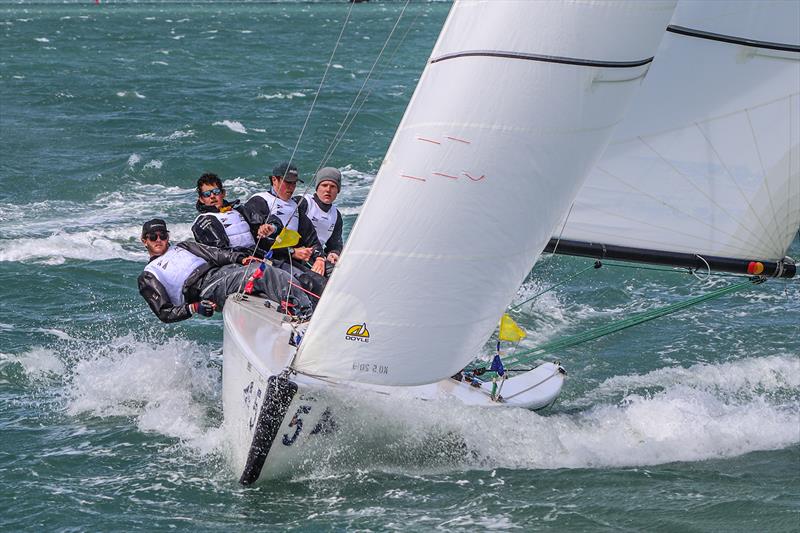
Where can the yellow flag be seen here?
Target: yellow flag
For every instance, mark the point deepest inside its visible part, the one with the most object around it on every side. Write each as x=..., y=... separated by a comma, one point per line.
x=510, y=331
x=286, y=238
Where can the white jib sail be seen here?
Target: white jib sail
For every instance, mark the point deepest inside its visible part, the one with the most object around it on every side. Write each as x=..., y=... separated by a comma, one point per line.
x=515, y=106
x=707, y=160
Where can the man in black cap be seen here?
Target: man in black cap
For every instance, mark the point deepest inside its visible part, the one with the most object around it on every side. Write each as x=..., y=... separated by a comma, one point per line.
x=319, y=207
x=190, y=278
x=307, y=255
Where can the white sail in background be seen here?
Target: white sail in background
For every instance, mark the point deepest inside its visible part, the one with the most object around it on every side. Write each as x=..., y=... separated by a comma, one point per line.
x=514, y=108
x=707, y=160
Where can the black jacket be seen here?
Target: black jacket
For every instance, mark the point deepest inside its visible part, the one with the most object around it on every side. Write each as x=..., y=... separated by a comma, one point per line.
x=156, y=295
x=256, y=211
x=334, y=243
x=210, y=231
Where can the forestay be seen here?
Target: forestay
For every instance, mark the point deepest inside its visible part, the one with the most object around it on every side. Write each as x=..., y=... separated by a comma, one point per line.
x=707, y=160
x=514, y=108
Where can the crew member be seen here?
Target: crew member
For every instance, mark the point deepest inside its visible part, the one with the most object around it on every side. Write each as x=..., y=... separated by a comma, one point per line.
x=320, y=209
x=307, y=255
x=190, y=278
x=222, y=224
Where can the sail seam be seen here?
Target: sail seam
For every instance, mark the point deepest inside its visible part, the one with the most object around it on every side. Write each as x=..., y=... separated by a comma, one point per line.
x=700, y=34
x=544, y=58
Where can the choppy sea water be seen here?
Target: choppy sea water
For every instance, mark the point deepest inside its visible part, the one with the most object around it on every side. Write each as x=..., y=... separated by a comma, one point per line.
x=111, y=420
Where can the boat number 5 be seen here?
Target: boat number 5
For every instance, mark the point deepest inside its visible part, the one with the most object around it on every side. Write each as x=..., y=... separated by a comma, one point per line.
x=296, y=423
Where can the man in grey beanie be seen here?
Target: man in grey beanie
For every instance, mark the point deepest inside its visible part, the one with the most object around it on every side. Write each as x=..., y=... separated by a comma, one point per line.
x=319, y=207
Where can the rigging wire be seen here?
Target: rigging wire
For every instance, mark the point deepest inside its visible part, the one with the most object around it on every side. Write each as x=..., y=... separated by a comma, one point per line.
x=342, y=131
x=303, y=129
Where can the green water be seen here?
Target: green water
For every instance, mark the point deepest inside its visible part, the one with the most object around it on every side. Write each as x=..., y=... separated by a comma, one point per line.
x=110, y=420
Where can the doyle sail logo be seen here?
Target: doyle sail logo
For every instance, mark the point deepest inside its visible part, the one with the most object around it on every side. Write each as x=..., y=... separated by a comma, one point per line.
x=357, y=332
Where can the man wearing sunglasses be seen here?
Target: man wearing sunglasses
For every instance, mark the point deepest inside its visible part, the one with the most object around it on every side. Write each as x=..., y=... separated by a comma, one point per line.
x=222, y=224
x=190, y=277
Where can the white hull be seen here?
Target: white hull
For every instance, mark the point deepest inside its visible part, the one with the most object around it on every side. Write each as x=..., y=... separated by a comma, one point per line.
x=272, y=423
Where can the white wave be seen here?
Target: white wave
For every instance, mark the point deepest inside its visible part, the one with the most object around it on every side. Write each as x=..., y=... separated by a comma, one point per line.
x=63, y=335
x=55, y=249
x=232, y=125
x=717, y=415
x=42, y=40
x=153, y=163
x=38, y=363
x=350, y=210
x=177, y=134
x=134, y=159
x=165, y=388
x=337, y=65
x=164, y=63
x=130, y=94
x=281, y=96
x=121, y=242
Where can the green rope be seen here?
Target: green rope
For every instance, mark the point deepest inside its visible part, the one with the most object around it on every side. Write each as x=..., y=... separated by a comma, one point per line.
x=528, y=356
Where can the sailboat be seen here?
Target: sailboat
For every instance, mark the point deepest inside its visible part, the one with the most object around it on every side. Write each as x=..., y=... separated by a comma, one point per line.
x=514, y=108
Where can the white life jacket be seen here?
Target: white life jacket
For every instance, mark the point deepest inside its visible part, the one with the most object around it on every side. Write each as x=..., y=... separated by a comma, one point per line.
x=172, y=269
x=323, y=222
x=283, y=209
x=236, y=228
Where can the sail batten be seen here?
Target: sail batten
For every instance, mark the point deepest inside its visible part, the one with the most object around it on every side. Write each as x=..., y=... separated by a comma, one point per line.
x=545, y=59
x=732, y=39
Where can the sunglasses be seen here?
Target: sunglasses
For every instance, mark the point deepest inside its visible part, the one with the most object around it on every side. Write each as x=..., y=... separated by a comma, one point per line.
x=216, y=191
x=155, y=235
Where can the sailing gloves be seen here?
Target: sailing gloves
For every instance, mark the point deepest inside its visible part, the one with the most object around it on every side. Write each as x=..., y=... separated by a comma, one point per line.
x=203, y=307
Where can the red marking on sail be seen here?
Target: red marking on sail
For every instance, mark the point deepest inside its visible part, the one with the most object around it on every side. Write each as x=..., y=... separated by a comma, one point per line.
x=412, y=177
x=474, y=179
x=456, y=139
x=445, y=175
x=428, y=140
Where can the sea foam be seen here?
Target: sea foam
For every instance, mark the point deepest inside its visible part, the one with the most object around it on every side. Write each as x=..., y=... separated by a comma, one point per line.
x=232, y=125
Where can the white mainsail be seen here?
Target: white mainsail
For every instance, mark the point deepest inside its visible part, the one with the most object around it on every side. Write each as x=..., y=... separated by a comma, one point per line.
x=707, y=160
x=514, y=108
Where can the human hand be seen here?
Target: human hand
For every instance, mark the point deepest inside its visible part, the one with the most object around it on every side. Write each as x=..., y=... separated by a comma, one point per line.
x=203, y=307
x=333, y=257
x=319, y=266
x=302, y=254
x=265, y=230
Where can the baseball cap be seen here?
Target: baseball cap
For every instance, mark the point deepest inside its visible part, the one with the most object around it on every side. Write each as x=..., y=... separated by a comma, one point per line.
x=287, y=172
x=155, y=224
